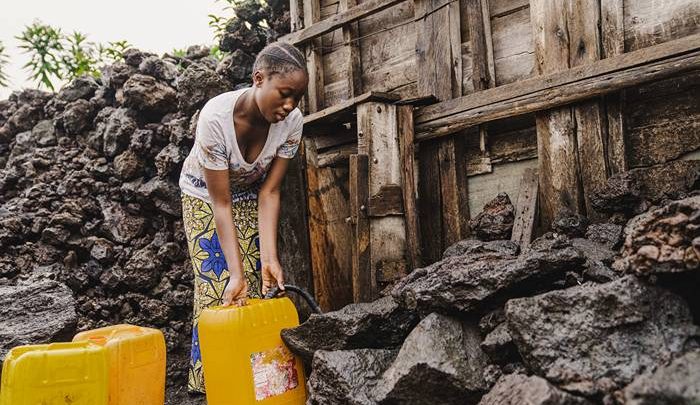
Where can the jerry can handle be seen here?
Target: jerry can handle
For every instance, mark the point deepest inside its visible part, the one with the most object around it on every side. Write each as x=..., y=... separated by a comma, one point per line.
x=273, y=292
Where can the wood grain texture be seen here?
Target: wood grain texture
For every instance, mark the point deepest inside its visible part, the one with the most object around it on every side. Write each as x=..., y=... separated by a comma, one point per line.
x=408, y=181
x=526, y=209
x=361, y=249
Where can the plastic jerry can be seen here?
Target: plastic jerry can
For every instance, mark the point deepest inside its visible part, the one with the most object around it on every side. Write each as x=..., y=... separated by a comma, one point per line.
x=243, y=356
x=55, y=374
x=136, y=363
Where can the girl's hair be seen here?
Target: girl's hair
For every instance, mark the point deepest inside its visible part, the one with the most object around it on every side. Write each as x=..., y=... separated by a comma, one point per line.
x=280, y=57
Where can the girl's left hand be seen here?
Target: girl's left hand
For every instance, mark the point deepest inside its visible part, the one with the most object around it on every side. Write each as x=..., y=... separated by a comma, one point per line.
x=272, y=276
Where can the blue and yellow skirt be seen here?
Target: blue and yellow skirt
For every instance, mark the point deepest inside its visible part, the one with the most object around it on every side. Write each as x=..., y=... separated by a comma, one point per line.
x=210, y=270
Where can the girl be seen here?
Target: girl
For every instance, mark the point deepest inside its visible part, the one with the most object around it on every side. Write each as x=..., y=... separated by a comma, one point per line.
x=230, y=186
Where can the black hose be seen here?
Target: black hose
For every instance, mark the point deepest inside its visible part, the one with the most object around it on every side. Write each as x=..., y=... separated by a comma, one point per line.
x=273, y=292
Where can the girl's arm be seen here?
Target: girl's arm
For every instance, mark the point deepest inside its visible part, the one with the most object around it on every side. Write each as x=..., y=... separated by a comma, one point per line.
x=268, y=219
x=220, y=194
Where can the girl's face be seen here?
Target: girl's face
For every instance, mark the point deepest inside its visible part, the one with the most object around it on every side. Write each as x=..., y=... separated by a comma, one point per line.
x=279, y=94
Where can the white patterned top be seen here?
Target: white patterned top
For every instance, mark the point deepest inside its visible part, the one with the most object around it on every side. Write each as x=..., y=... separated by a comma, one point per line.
x=215, y=147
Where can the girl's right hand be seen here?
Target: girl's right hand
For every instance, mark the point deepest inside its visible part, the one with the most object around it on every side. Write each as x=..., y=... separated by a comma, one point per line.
x=236, y=291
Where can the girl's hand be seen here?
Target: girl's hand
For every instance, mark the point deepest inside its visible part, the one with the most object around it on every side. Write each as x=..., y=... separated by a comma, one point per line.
x=272, y=276
x=236, y=290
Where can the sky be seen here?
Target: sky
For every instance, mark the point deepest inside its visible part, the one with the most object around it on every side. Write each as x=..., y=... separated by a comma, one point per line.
x=153, y=25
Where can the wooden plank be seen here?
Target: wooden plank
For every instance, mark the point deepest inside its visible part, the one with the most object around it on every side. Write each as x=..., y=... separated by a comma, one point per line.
x=387, y=201
x=361, y=267
x=428, y=201
x=613, y=40
x=662, y=120
x=526, y=209
x=353, y=64
x=570, y=150
x=315, y=93
x=651, y=22
x=500, y=8
x=377, y=122
x=353, y=14
x=513, y=49
x=294, y=249
x=408, y=180
x=296, y=11
x=557, y=89
x=336, y=156
x=330, y=235
x=343, y=112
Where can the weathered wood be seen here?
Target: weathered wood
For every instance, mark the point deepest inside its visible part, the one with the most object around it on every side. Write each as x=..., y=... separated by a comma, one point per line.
x=361, y=267
x=377, y=122
x=353, y=64
x=525, y=209
x=330, y=235
x=481, y=45
x=408, y=180
x=342, y=112
x=513, y=48
x=315, y=93
x=296, y=11
x=613, y=39
x=500, y=8
x=387, y=201
x=662, y=120
x=428, y=201
x=557, y=89
x=438, y=48
x=571, y=158
x=651, y=22
x=293, y=233
x=336, y=156
x=337, y=21
x=506, y=177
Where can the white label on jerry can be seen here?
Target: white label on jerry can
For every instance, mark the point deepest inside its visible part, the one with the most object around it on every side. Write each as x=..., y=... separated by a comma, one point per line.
x=274, y=372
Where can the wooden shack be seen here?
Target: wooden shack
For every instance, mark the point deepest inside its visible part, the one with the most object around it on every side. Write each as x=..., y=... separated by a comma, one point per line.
x=418, y=112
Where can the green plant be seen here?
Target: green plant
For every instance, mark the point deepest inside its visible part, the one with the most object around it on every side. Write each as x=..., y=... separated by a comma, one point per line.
x=79, y=57
x=4, y=60
x=216, y=52
x=113, y=52
x=44, y=45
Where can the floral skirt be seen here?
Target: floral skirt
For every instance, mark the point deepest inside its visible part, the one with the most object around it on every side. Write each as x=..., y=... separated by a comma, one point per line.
x=210, y=270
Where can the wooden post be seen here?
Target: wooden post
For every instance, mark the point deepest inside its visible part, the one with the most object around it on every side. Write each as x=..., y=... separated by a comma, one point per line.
x=354, y=64
x=361, y=253
x=438, y=52
x=526, y=209
x=613, y=37
x=330, y=234
x=378, y=140
x=408, y=180
x=315, y=94
x=570, y=141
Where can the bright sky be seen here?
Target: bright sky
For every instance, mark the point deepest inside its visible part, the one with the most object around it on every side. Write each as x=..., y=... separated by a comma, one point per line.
x=154, y=25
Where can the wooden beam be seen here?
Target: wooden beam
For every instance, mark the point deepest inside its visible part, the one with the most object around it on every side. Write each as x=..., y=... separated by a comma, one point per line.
x=613, y=38
x=354, y=63
x=344, y=111
x=361, y=248
x=438, y=48
x=408, y=180
x=337, y=21
x=330, y=235
x=569, y=139
x=526, y=209
x=558, y=89
x=315, y=93
x=377, y=122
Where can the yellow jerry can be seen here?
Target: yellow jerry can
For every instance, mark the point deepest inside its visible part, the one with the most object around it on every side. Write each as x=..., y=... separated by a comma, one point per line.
x=243, y=356
x=55, y=374
x=136, y=363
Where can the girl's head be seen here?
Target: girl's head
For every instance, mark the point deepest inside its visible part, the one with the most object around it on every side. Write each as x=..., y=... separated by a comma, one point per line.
x=279, y=79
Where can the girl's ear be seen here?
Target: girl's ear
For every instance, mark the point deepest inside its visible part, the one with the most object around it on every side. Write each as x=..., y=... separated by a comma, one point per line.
x=258, y=78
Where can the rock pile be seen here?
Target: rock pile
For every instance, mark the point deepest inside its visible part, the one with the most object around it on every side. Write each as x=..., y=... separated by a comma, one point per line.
x=90, y=220
x=575, y=318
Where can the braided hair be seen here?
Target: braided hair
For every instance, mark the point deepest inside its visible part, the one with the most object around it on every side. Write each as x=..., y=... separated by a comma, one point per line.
x=280, y=57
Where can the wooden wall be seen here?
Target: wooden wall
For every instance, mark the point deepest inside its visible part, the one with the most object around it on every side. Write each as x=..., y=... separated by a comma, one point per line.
x=646, y=125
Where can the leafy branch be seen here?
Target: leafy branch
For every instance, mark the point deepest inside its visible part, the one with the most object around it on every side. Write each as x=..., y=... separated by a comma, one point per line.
x=4, y=61
x=44, y=45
